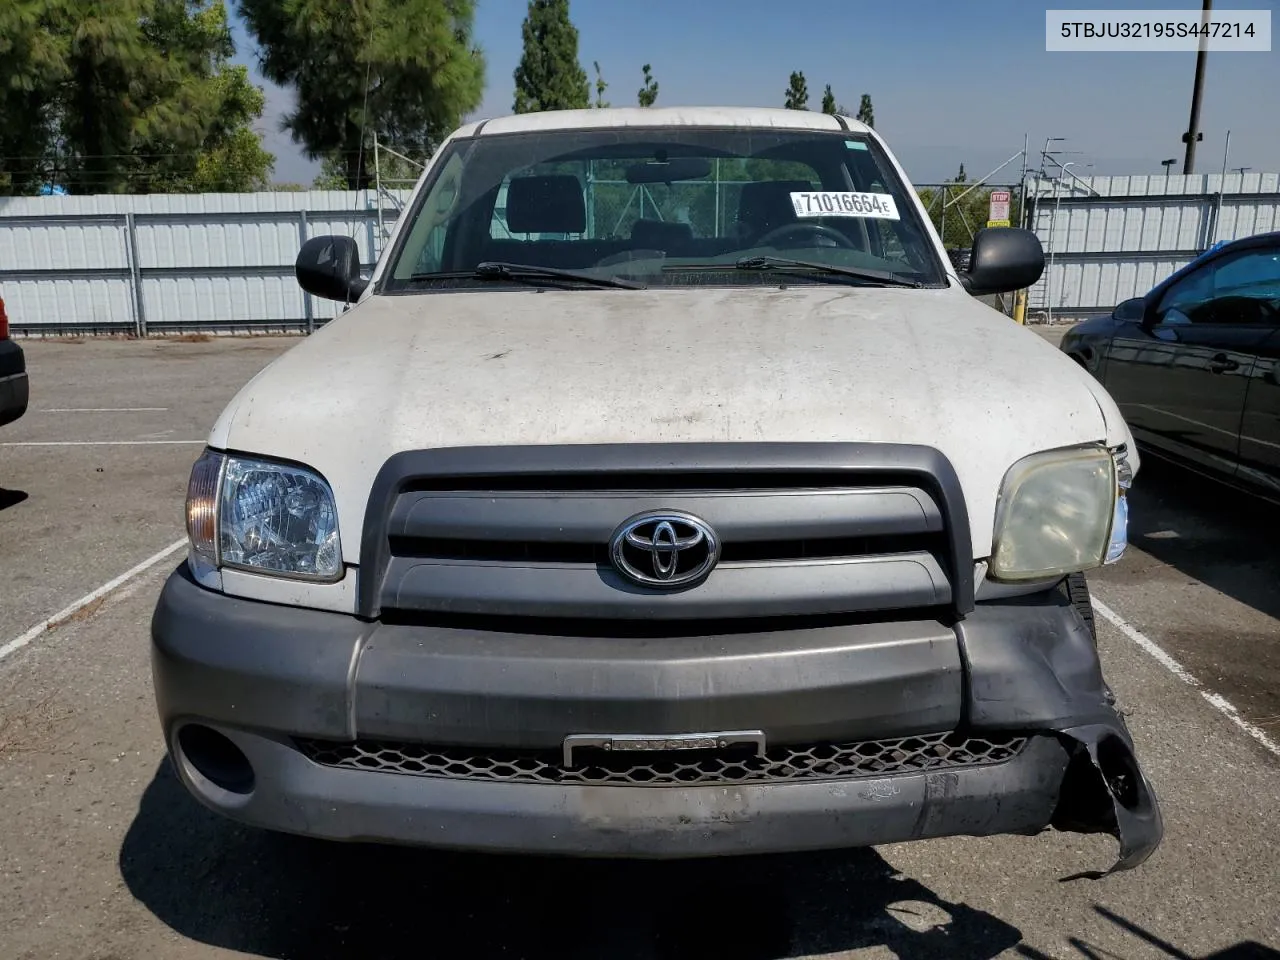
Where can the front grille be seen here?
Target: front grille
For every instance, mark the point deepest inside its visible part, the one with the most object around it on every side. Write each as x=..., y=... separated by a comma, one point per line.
x=820, y=761
x=802, y=530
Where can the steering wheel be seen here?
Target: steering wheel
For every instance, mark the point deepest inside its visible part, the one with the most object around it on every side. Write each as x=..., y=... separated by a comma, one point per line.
x=818, y=229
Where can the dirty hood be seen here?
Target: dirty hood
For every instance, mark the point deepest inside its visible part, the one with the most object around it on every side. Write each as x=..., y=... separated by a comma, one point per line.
x=810, y=363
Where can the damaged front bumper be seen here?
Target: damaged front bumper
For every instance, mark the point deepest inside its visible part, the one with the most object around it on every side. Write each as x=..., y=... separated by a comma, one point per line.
x=882, y=731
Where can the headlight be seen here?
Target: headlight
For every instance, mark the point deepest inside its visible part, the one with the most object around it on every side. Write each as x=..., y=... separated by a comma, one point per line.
x=267, y=517
x=1057, y=513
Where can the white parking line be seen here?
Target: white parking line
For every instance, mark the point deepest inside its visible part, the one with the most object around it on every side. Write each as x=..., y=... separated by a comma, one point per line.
x=17, y=643
x=105, y=410
x=1162, y=657
x=94, y=443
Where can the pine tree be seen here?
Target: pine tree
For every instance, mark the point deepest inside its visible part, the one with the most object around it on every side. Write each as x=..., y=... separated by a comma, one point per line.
x=797, y=93
x=404, y=69
x=828, y=100
x=138, y=96
x=549, y=76
x=866, y=114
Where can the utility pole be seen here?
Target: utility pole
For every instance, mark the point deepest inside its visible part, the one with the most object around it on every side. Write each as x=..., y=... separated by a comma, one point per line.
x=1193, y=134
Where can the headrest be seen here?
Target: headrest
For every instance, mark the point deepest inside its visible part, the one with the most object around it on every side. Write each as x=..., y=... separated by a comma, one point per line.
x=659, y=234
x=767, y=203
x=550, y=204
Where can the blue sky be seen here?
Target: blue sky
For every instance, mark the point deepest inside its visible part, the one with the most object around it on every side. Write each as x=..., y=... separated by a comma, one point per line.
x=951, y=81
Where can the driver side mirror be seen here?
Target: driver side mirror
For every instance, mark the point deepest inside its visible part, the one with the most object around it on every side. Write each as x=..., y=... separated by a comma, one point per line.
x=1003, y=259
x=1130, y=311
x=329, y=267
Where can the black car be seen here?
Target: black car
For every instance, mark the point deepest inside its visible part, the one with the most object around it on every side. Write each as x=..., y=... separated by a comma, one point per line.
x=1195, y=364
x=13, y=374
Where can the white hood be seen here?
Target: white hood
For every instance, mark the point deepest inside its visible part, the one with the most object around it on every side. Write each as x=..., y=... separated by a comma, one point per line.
x=810, y=363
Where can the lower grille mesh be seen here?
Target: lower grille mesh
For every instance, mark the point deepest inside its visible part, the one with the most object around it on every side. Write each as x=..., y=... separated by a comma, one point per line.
x=821, y=761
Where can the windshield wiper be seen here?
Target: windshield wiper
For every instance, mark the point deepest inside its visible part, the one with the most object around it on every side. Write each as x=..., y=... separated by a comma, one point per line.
x=521, y=272
x=499, y=270
x=871, y=277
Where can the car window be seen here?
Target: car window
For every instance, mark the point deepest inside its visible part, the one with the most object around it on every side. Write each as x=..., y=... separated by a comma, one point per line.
x=670, y=205
x=1243, y=289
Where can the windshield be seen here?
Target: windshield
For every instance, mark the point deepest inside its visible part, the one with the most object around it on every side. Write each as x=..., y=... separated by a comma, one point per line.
x=664, y=206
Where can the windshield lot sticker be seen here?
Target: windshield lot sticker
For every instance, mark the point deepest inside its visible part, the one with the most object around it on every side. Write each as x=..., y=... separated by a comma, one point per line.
x=829, y=203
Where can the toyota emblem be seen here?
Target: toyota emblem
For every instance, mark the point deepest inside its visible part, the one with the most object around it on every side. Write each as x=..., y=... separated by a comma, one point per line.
x=664, y=550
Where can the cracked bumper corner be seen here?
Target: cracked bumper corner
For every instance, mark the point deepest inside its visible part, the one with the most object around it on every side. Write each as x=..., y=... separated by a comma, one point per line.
x=1105, y=790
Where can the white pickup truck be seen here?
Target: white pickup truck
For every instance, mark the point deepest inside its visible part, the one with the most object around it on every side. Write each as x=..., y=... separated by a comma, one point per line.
x=665, y=492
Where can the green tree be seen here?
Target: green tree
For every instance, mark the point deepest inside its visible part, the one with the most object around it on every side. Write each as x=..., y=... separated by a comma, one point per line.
x=231, y=157
x=549, y=76
x=648, y=94
x=961, y=177
x=404, y=69
x=394, y=172
x=113, y=95
x=332, y=175
x=797, y=96
x=964, y=217
x=866, y=113
x=601, y=87
x=828, y=100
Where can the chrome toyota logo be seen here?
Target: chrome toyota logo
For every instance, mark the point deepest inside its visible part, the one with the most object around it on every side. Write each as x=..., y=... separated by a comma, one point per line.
x=664, y=549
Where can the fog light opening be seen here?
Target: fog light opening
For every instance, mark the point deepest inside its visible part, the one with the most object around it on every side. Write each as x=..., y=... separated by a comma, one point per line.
x=216, y=758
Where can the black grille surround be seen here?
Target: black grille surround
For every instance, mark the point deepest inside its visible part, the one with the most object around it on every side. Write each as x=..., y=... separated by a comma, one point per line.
x=805, y=762
x=808, y=529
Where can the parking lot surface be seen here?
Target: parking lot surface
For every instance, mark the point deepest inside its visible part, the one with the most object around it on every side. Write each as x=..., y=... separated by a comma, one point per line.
x=103, y=855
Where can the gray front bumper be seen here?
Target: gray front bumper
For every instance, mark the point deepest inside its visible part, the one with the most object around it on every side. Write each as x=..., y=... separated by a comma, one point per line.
x=263, y=675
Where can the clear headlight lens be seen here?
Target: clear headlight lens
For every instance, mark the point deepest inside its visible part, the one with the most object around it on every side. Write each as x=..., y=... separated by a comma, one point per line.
x=262, y=516
x=1055, y=514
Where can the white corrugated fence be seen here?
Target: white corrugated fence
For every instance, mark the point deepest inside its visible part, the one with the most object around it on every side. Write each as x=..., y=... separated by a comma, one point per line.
x=165, y=262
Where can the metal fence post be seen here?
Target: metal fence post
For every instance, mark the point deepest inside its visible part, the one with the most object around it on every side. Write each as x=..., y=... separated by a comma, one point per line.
x=307, y=309
x=135, y=277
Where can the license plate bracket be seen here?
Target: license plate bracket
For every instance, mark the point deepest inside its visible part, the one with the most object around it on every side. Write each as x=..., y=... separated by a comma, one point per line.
x=665, y=742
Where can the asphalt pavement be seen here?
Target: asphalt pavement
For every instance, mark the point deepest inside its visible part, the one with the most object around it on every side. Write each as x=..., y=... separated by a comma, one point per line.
x=104, y=856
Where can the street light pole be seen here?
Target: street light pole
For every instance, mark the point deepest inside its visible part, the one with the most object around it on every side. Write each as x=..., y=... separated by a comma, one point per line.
x=1193, y=132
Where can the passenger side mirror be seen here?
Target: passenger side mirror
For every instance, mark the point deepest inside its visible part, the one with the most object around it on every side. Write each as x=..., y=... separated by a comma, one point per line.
x=1003, y=259
x=1130, y=311
x=329, y=267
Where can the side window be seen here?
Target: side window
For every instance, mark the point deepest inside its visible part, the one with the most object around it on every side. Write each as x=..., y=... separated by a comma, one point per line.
x=1244, y=289
x=1247, y=288
x=424, y=247
x=1184, y=302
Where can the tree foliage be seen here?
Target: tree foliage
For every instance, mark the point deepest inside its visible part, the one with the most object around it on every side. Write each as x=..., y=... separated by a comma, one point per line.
x=828, y=100
x=394, y=172
x=866, y=113
x=104, y=96
x=965, y=216
x=647, y=95
x=601, y=87
x=407, y=70
x=549, y=76
x=797, y=96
